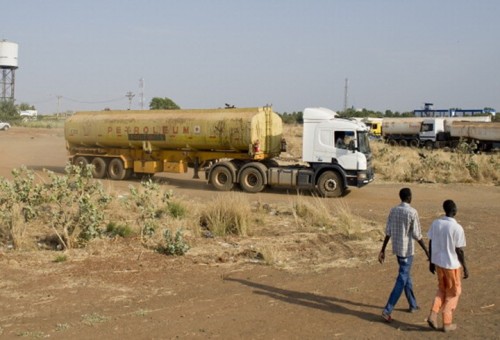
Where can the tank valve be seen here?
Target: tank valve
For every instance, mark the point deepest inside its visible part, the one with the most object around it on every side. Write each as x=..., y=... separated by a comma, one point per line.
x=256, y=146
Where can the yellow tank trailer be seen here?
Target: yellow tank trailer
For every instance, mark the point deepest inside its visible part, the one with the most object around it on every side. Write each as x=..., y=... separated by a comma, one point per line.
x=120, y=143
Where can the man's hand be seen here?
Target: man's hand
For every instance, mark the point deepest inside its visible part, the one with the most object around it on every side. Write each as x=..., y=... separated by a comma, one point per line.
x=432, y=268
x=381, y=257
x=466, y=273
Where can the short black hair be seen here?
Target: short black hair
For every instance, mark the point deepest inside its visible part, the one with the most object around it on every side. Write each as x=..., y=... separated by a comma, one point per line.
x=404, y=194
x=449, y=207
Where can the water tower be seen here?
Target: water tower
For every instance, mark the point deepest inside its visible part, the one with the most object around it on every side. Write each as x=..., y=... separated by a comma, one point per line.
x=8, y=66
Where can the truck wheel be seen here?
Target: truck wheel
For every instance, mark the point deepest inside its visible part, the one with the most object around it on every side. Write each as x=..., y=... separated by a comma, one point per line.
x=81, y=161
x=222, y=178
x=116, y=169
x=393, y=142
x=99, y=170
x=330, y=184
x=428, y=145
x=403, y=143
x=251, y=180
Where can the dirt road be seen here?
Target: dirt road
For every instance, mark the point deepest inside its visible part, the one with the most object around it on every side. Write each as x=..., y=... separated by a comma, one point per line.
x=122, y=291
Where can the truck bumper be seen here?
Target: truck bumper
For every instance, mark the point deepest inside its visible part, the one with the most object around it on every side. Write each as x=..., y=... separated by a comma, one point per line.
x=365, y=177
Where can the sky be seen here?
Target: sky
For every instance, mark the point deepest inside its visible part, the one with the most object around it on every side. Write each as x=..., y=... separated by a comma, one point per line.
x=395, y=54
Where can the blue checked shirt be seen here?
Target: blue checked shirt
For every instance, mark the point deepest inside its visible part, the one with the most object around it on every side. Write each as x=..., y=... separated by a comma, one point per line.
x=403, y=226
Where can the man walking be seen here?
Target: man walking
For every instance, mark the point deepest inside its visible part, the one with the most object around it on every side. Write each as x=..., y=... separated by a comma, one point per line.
x=446, y=240
x=403, y=226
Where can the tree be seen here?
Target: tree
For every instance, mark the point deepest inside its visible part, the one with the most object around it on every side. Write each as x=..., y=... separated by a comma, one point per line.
x=292, y=118
x=7, y=108
x=158, y=103
x=26, y=106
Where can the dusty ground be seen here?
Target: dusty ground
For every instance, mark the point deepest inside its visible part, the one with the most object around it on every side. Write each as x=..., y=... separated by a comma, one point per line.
x=122, y=291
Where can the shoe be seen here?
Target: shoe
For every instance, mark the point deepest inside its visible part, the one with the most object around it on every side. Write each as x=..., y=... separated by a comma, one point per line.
x=387, y=317
x=432, y=320
x=450, y=327
x=414, y=310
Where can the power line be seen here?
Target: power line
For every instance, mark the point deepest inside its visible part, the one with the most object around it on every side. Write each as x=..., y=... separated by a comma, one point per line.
x=94, y=102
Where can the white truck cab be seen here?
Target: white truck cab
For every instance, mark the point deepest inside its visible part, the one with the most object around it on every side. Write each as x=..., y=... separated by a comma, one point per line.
x=343, y=143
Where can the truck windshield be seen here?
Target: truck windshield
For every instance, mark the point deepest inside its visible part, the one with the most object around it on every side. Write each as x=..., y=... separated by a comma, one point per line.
x=363, y=142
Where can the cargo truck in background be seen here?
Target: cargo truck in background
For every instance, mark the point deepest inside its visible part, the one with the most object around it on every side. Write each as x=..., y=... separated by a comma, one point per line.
x=375, y=126
x=442, y=132
x=235, y=147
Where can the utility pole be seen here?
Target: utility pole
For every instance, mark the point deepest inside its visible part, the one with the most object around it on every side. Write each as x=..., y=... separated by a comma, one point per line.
x=346, y=94
x=141, y=93
x=129, y=95
x=58, y=104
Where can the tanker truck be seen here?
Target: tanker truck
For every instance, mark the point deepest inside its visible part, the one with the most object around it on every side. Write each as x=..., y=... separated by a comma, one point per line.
x=426, y=132
x=236, y=146
x=485, y=135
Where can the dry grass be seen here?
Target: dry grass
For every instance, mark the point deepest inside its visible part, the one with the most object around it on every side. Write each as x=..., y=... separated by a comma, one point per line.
x=400, y=164
x=228, y=215
x=309, y=213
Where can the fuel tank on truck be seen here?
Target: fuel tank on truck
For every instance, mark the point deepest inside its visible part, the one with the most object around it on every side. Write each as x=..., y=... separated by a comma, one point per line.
x=234, y=130
x=476, y=130
x=401, y=126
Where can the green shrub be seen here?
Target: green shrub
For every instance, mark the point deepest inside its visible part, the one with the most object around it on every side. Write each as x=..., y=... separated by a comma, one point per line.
x=173, y=245
x=72, y=205
x=176, y=209
x=113, y=229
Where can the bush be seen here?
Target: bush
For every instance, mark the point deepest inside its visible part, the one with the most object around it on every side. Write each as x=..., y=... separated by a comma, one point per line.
x=71, y=205
x=113, y=229
x=173, y=245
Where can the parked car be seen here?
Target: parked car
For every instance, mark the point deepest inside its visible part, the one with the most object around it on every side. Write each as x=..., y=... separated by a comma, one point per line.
x=4, y=126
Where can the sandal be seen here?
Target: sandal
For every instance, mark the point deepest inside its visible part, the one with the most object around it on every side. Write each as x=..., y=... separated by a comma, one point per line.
x=387, y=317
x=432, y=321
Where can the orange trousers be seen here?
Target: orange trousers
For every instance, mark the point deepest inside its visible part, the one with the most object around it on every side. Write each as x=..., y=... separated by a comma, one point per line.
x=449, y=290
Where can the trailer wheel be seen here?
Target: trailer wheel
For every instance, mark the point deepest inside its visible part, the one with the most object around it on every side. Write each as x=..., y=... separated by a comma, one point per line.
x=403, y=143
x=222, y=178
x=251, y=180
x=330, y=184
x=414, y=143
x=116, y=169
x=99, y=170
x=81, y=161
x=393, y=142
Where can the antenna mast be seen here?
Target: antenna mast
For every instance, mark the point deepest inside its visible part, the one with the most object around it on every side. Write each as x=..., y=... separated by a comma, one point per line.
x=346, y=88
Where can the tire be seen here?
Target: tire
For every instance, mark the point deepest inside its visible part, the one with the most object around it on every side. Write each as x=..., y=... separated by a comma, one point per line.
x=393, y=142
x=251, y=180
x=403, y=143
x=116, y=169
x=414, y=143
x=429, y=145
x=81, y=161
x=100, y=167
x=330, y=184
x=222, y=178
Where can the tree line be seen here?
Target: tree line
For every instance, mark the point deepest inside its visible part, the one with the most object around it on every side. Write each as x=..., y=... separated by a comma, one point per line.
x=9, y=110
